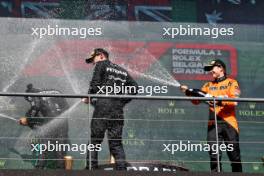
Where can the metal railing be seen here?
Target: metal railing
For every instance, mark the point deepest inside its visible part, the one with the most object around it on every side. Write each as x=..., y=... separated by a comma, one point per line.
x=142, y=97
x=132, y=97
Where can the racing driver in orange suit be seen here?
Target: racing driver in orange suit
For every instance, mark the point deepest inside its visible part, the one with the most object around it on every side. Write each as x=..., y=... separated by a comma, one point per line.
x=228, y=131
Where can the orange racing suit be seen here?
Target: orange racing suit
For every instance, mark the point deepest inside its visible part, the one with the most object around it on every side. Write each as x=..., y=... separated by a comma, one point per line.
x=225, y=88
x=227, y=123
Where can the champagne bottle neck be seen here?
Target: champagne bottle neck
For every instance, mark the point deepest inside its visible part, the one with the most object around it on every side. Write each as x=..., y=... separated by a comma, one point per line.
x=195, y=93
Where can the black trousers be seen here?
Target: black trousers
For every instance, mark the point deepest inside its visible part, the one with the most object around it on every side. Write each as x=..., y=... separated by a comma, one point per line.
x=110, y=120
x=229, y=136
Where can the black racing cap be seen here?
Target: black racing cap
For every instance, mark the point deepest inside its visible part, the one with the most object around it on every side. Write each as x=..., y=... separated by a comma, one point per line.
x=96, y=52
x=213, y=63
x=30, y=88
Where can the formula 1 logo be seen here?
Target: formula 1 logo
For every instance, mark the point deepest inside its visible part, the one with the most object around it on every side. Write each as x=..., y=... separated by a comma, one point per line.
x=189, y=59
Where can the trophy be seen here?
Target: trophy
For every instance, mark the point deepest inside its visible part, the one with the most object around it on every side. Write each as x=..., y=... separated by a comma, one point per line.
x=68, y=161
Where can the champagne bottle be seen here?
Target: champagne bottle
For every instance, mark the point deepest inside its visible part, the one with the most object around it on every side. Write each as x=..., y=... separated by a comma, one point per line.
x=195, y=93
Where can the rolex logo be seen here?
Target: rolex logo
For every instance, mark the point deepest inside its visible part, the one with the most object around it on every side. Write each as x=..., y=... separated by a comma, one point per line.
x=2, y=163
x=130, y=133
x=171, y=103
x=132, y=139
x=252, y=105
